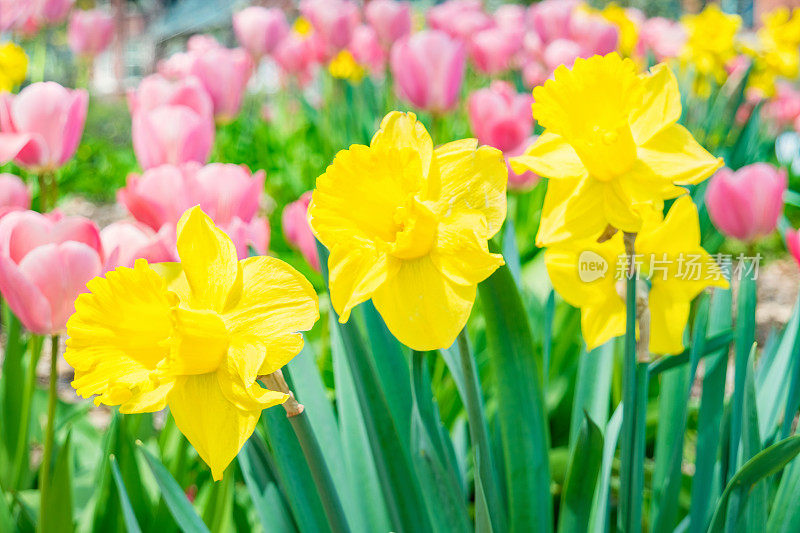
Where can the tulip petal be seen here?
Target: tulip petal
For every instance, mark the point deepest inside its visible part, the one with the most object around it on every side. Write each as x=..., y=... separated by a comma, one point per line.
x=675, y=155
x=573, y=209
x=208, y=258
x=461, y=252
x=552, y=157
x=473, y=179
x=215, y=427
x=118, y=337
x=24, y=298
x=423, y=308
x=11, y=144
x=661, y=106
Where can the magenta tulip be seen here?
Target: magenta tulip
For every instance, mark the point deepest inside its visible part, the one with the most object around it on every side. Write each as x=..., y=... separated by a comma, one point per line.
x=500, y=117
x=224, y=73
x=391, y=20
x=156, y=90
x=124, y=242
x=746, y=204
x=367, y=50
x=428, y=69
x=260, y=29
x=49, y=118
x=14, y=194
x=171, y=134
x=45, y=263
x=793, y=243
x=297, y=231
x=334, y=21
x=90, y=32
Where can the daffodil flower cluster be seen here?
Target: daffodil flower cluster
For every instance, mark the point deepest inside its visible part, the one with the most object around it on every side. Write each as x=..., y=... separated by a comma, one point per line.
x=776, y=52
x=613, y=153
x=193, y=336
x=710, y=44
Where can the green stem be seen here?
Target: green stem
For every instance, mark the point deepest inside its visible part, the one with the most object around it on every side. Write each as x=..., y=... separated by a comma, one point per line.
x=221, y=496
x=40, y=58
x=52, y=398
x=320, y=473
x=25, y=411
x=484, y=463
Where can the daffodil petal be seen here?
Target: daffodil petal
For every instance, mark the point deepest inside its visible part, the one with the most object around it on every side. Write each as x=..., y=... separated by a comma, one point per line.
x=620, y=209
x=461, y=252
x=573, y=209
x=118, y=336
x=176, y=279
x=675, y=155
x=237, y=379
x=214, y=426
x=668, y=317
x=355, y=275
x=404, y=130
x=473, y=179
x=275, y=300
x=208, y=258
x=584, y=272
x=552, y=157
x=423, y=308
x=661, y=106
x=280, y=350
x=602, y=322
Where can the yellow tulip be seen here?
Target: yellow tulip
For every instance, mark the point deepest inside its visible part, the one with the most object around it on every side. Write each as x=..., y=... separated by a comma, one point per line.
x=193, y=336
x=344, y=66
x=671, y=262
x=13, y=66
x=612, y=147
x=407, y=225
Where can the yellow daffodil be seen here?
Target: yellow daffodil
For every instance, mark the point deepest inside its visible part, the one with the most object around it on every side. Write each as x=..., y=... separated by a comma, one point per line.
x=302, y=26
x=13, y=66
x=407, y=225
x=673, y=270
x=193, y=336
x=611, y=147
x=776, y=50
x=711, y=42
x=345, y=67
x=628, y=29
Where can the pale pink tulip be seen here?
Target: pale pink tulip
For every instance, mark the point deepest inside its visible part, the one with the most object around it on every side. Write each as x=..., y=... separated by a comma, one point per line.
x=45, y=263
x=90, y=32
x=460, y=19
x=156, y=90
x=561, y=52
x=367, y=50
x=176, y=66
x=297, y=231
x=260, y=29
x=124, y=242
x=428, y=69
x=14, y=194
x=50, y=118
x=202, y=43
x=511, y=19
x=224, y=73
x=784, y=108
x=593, y=33
x=746, y=204
x=334, y=21
x=663, y=37
x=171, y=134
x=551, y=19
x=533, y=74
x=500, y=117
x=296, y=58
x=793, y=243
x=492, y=50
x=390, y=19
x=13, y=13
x=51, y=12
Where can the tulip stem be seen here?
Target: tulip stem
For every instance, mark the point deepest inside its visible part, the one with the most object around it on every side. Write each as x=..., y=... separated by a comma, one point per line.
x=40, y=58
x=634, y=390
x=295, y=412
x=25, y=411
x=52, y=397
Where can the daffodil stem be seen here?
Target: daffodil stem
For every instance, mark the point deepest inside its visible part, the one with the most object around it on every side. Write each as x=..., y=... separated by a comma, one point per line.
x=312, y=452
x=25, y=411
x=634, y=390
x=52, y=397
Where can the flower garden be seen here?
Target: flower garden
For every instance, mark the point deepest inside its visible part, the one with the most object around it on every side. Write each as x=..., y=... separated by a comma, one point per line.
x=401, y=266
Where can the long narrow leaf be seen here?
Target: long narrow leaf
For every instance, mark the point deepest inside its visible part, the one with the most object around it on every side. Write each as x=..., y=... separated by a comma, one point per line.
x=579, y=487
x=128, y=516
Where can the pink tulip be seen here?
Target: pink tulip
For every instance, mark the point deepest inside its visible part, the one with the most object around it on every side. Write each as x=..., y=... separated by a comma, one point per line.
x=177, y=66
x=492, y=50
x=533, y=74
x=52, y=12
x=593, y=33
x=746, y=204
x=14, y=194
x=13, y=14
x=367, y=50
x=500, y=117
x=90, y=32
x=49, y=118
x=224, y=73
x=391, y=20
x=460, y=19
x=428, y=68
x=561, y=52
x=159, y=195
x=297, y=231
x=511, y=19
x=334, y=21
x=296, y=58
x=156, y=90
x=664, y=37
x=124, y=242
x=226, y=191
x=551, y=19
x=45, y=263
x=793, y=243
x=784, y=108
x=259, y=29
x=202, y=43
x=171, y=134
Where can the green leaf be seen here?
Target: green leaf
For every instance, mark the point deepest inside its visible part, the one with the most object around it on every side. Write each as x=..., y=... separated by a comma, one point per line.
x=764, y=464
x=128, y=515
x=599, y=512
x=785, y=515
x=266, y=498
x=592, y=389
x=177, y=503
x=521, y=410
x=6, y=518
x=56, y=516
x=753, y=502
x=581, y=480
